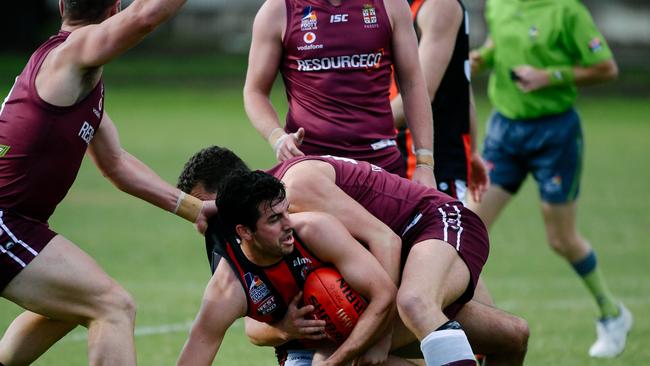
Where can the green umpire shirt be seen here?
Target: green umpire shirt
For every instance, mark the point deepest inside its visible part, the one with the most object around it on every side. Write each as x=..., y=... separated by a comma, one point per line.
x=543, y=34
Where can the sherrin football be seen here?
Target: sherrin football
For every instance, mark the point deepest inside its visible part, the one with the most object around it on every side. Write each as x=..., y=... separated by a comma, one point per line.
x=334, y=301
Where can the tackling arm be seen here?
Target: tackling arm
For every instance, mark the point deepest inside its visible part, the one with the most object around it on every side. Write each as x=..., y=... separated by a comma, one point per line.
x=223, y=302
x=330, y=241
x=311, y=187
x=132, y=176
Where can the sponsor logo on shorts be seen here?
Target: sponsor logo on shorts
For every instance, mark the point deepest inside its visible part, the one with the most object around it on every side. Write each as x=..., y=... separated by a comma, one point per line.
x=309, y=20
x=359, y=61
x=4, y=149
x=257, y=289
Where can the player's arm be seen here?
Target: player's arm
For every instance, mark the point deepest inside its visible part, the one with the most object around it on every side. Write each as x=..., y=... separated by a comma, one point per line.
x=223, y=302
x=478, y=180
x=438, y=22
x=132, y=176
x=417, y=108
x=530, y=78
x=311, y=187
x=593, y=60
x=329, y=240
x=483, y=57
x=263, y=64
x=97, y=44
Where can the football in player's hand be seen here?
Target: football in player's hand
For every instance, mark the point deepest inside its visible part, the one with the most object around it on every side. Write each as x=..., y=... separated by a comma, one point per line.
x=334, y=301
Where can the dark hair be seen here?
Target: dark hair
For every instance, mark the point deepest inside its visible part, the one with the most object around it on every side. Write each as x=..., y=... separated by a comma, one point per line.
x=209, y=167
x=243, y=196
x=91, y=11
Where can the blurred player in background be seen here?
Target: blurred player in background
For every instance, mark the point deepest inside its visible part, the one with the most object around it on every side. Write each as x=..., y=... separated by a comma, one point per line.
x=442, y=27
x=53, y=113
x=428, y=221
x=539, y=51
x=268, y=254
x=335, y=59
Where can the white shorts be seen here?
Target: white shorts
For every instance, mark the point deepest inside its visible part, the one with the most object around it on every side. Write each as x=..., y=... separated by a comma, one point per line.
x=302, y=357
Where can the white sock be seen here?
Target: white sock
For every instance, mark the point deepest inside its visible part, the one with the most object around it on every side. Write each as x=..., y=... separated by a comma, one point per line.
x=442, y=347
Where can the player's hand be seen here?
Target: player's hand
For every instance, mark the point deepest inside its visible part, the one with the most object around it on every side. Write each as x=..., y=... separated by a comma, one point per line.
x=208, y=210
x=424, y=175
x=479, y=179
x=529, y=79
x=286, y=147
x=476, y=62
x=296, y=326
x=375, y=355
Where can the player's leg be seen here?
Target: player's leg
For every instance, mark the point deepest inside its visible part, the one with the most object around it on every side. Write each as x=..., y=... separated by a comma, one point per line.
x=29, y=336
x=557, y=170
x=494, y=201
x=64, y=283
x=615, y=320
x=501, y=337
x=434, y=277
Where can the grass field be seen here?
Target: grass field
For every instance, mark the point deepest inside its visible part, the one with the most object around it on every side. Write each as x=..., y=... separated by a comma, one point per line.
x=161, y=260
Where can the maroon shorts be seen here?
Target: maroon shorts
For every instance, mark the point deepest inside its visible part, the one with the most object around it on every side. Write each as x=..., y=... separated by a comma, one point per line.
x=459, y=227
x=21, y=239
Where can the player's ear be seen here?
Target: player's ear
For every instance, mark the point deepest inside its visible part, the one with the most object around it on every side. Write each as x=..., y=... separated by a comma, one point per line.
x=117, y=7
x=61, y=7
x=244, y=232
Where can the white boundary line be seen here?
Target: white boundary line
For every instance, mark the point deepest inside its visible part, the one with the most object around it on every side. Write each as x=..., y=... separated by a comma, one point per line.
x=81, y=334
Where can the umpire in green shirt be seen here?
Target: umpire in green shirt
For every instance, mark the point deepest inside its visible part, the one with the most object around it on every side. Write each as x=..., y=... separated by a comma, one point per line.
x=539, y=51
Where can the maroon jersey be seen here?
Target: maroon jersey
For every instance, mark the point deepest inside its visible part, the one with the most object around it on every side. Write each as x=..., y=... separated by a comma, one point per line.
x=336, y=68
x=42, y=145
x=388, y=197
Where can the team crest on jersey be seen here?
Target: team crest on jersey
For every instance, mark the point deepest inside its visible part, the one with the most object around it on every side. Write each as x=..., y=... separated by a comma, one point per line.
x=257, y=289
x=595, y=45
x=369, y=16
x=3, y=150
x=309, y=20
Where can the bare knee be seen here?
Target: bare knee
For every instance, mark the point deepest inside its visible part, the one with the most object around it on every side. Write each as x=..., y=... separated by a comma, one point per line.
x=520, y=334
x=115, y=304
x=414, y=309
x=568, y=245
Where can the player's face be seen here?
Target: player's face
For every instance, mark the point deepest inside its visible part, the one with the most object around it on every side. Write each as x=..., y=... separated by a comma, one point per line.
x=274, y=236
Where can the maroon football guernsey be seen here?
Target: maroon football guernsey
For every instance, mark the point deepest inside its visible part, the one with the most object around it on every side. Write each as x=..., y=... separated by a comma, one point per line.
x=42, y=145
x=336, y=68
x=391, y=199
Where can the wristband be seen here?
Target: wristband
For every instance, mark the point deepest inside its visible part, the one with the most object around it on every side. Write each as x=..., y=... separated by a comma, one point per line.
x=188, y=207
x=560, y=75
x=424, y=157
x=424, y=166
x=276, y=135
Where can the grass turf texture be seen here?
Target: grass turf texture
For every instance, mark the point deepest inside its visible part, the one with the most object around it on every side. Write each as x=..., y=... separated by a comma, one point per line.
x=160, y=259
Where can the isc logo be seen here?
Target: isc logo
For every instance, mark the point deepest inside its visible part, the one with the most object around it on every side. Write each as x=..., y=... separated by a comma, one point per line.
x=338, y=18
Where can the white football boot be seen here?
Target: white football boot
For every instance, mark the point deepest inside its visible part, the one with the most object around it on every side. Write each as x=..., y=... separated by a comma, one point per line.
x=612, y=334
